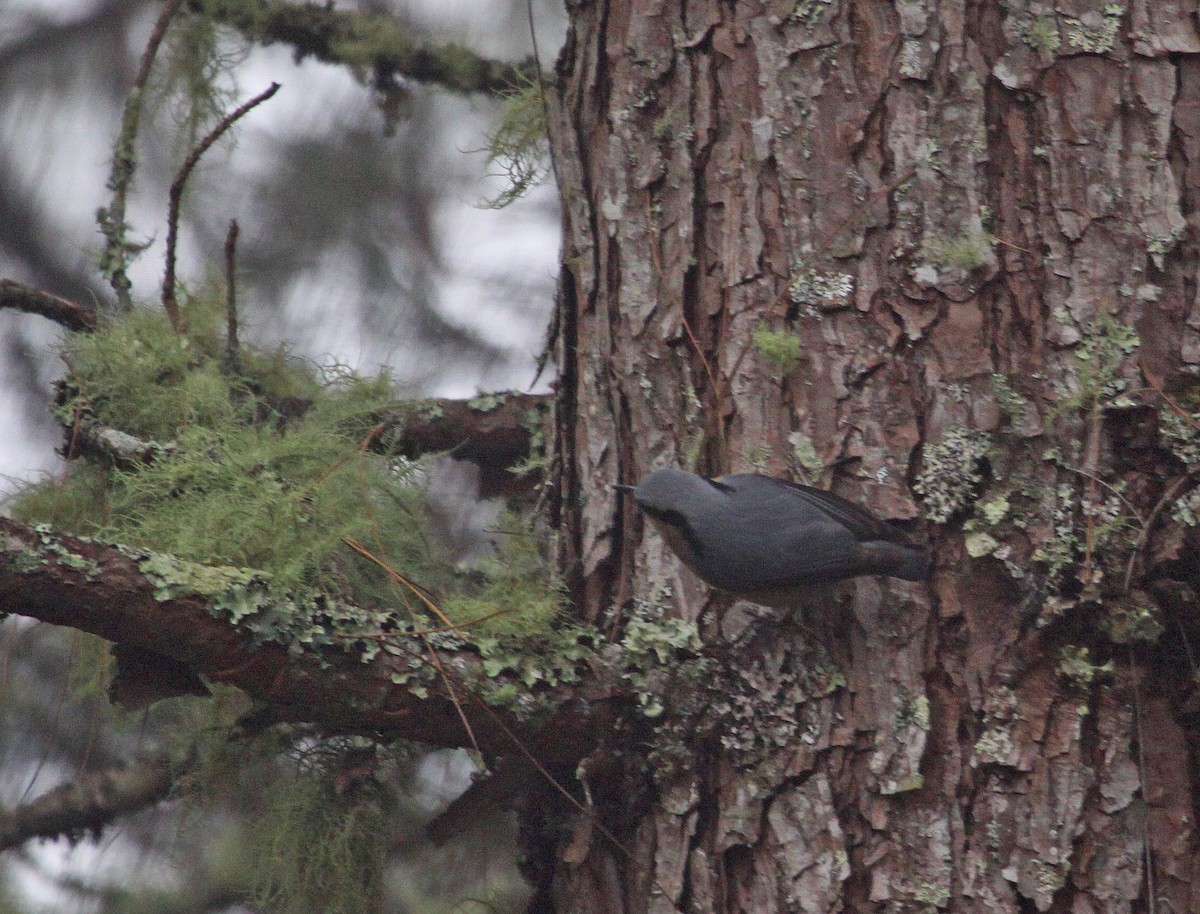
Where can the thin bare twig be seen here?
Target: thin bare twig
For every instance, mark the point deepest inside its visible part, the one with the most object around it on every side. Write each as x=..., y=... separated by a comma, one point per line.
x=1169, y=496
x=589, y=813
x=433, y=654
x=115, y=259
x=170, y=304
x=1175, y=407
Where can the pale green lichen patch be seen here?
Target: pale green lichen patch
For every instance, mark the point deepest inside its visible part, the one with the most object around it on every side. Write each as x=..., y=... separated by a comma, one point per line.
x=485, y=403
x=995, y=745
x=906, y=784
x=1012, y=405
x=915, y=714
x=1095, y=32
x=1041, y=34
x=979, y=544
x=1075, y=663
x=657, y=652
x=548, y=659
x=1186, y=510
x=810, y=12
x=1106, y=344
x=820, y=290
x=1180, y=434
x=951, y=471
x=804, y=452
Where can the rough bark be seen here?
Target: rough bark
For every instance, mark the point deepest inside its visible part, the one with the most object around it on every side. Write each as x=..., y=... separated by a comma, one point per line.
x=930, y=195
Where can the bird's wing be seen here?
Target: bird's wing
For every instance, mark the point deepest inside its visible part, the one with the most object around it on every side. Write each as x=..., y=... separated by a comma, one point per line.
x=862, y=523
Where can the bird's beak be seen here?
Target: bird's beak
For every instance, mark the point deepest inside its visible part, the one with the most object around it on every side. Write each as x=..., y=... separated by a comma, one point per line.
x=624, y=488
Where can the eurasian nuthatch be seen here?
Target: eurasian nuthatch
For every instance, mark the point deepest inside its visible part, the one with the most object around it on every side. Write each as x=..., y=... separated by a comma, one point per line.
x=766, y=539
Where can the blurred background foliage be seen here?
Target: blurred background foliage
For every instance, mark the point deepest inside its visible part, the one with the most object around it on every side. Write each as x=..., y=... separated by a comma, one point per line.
x=369, y=239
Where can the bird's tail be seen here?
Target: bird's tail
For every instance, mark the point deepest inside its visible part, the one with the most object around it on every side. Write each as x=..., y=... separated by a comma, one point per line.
x=897, y=560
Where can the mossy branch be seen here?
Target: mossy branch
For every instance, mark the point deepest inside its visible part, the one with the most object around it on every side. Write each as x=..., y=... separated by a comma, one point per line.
x=496, y=432
x=89, y=803
x=33, y=301
x=170, y=304
x=364, y=42
x=223, y=624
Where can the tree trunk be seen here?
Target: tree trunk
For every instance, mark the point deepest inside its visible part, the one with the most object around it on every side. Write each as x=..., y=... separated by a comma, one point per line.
x=979, y=220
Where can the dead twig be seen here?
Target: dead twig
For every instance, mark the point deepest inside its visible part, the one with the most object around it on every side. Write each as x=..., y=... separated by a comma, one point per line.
x=170, y=304
x=1169, y=496
x=34, y=301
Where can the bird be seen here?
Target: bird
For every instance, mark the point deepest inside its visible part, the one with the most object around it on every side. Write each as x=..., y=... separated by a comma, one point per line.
x=769, y=540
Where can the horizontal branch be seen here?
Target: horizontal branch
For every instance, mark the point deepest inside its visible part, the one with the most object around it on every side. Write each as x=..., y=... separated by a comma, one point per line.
x=32, y=301
x=366, y=40
x=225, y=625
x=87, y=804
x=497, y=432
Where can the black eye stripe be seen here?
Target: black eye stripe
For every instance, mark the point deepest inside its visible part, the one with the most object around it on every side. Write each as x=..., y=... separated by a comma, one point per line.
x=679, y=522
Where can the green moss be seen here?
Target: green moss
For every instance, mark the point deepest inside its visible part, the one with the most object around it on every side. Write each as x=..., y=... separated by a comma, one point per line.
x=281, y=497
x=778, y=348
x=317, y=847
x=950, y=472
x=967, y=251
x=516, y=592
